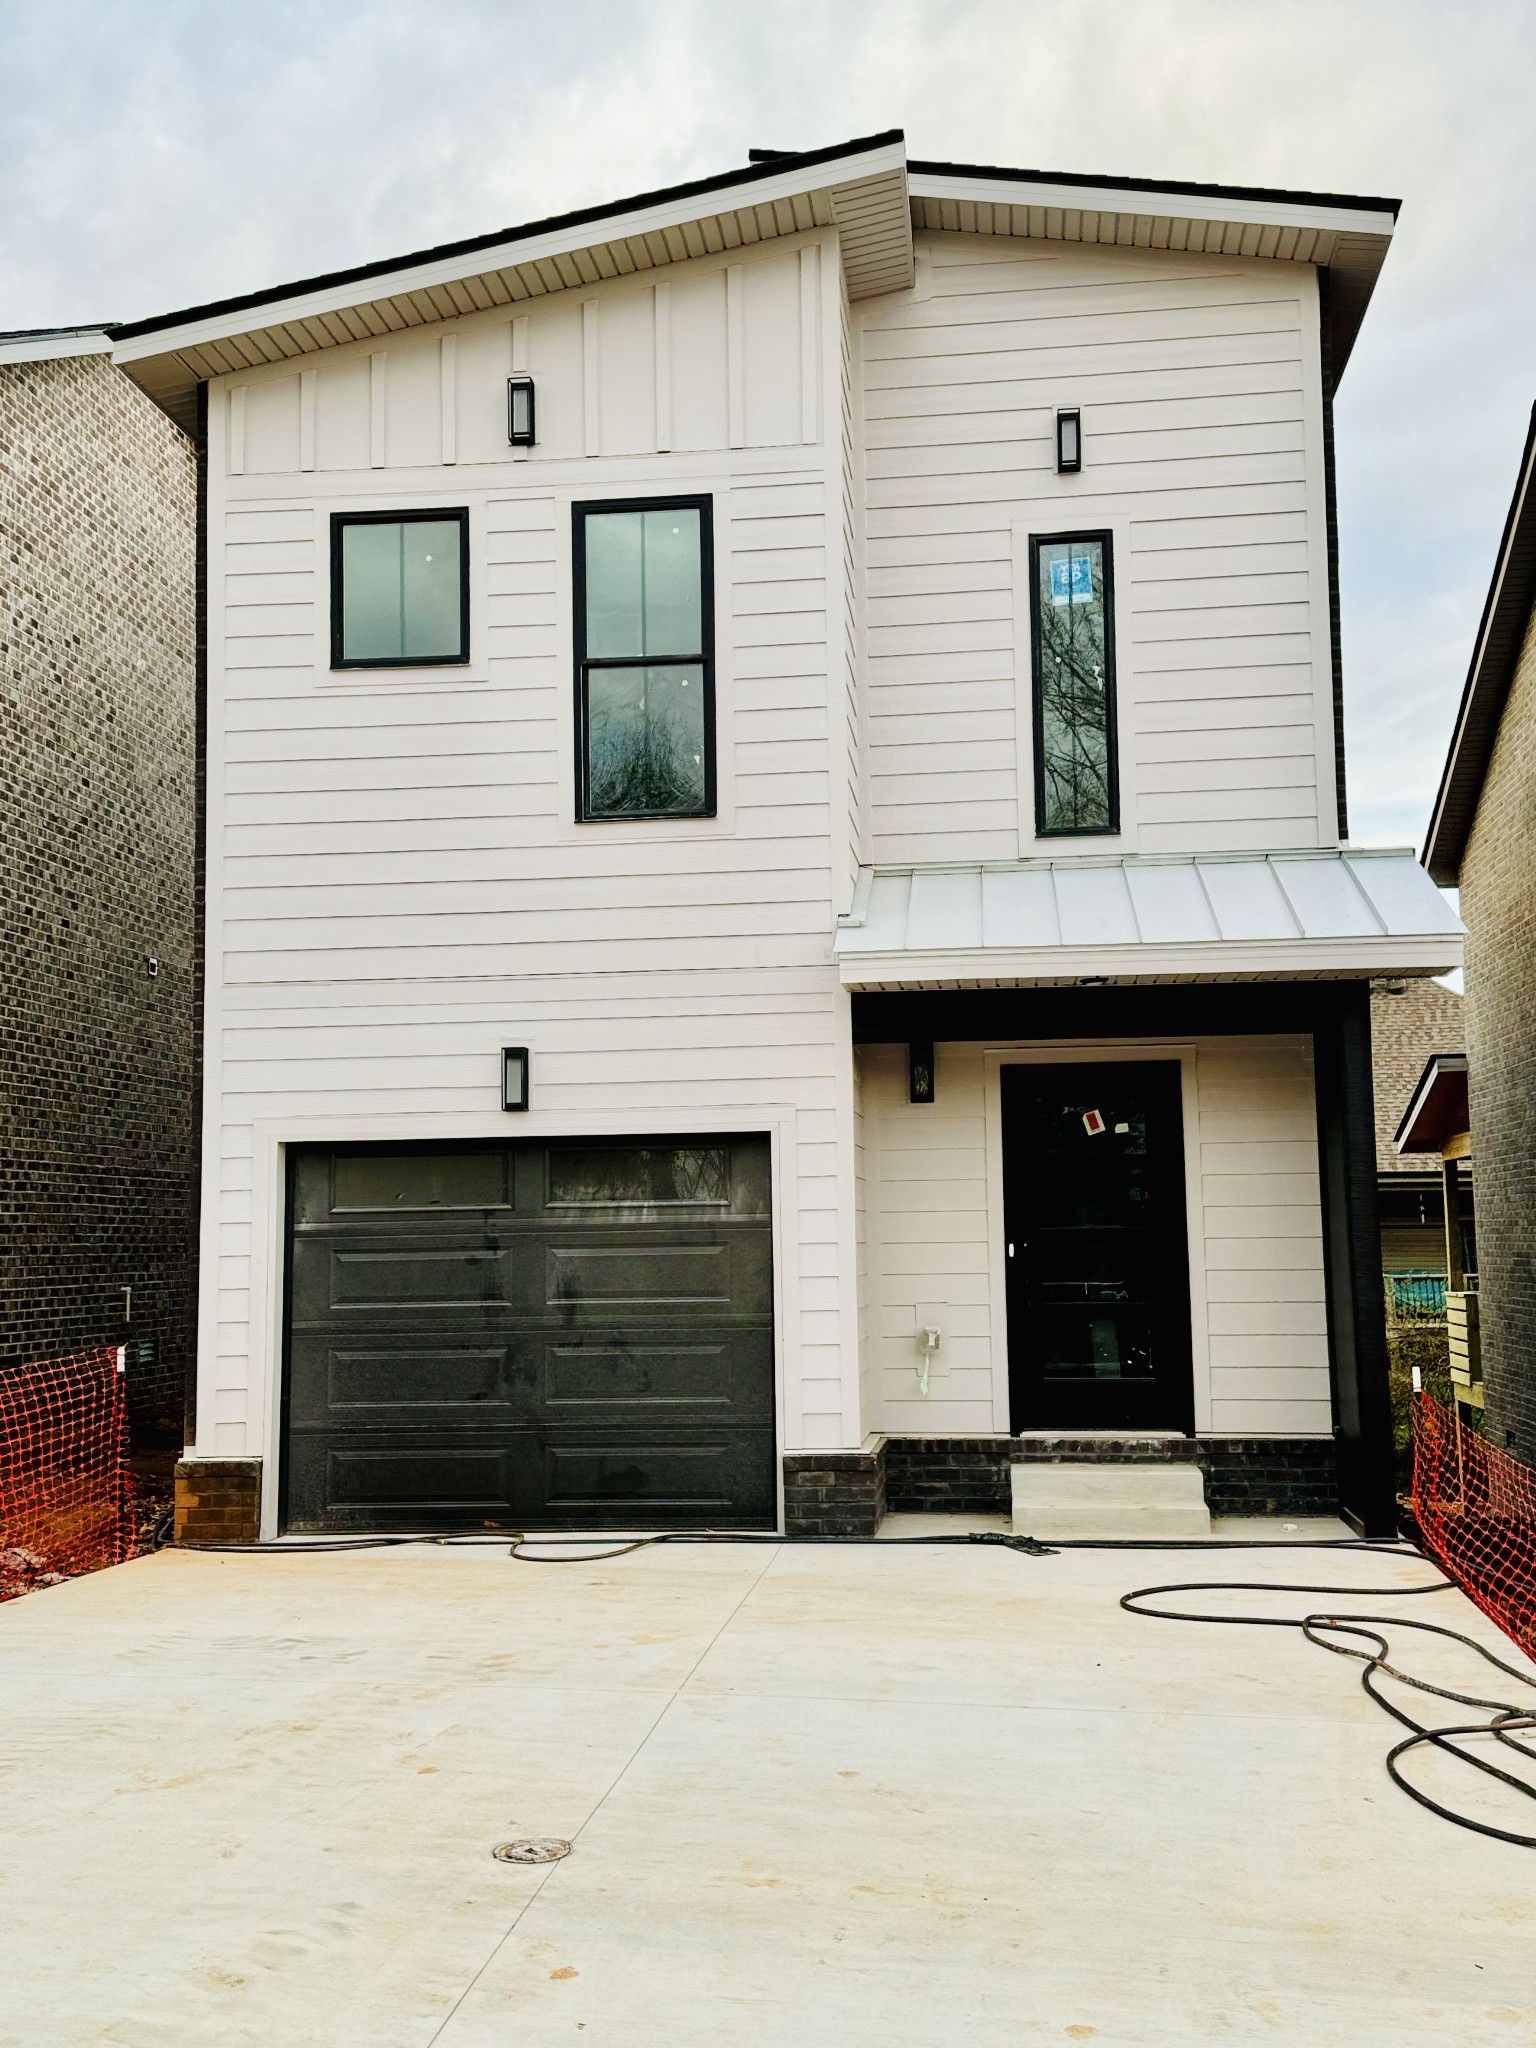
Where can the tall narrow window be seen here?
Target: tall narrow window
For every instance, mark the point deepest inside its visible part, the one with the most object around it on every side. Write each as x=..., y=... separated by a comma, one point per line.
x=644, y=660
x=1072, y=615
x=399, y=589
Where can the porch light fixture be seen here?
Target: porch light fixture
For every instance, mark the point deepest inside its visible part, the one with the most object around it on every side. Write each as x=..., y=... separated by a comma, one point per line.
x=920, y=1073
x=520, y=411
x=1069, y=442
x=514, y=1077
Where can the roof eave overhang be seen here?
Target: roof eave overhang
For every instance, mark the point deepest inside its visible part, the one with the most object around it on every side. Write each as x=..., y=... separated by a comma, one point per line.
x=51, y=345
x=1500, y=637
x=1351, y=959
x=1438, y=1108
x=1348, y=237
x=862, y=192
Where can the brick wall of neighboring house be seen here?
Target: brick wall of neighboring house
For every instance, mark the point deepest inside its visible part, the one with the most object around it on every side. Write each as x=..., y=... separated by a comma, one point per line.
x=97, y=1123
x=1406, y=1030
x=1498, y=906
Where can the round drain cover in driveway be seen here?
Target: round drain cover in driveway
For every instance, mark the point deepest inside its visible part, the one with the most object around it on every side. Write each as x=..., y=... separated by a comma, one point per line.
x=540, y=1851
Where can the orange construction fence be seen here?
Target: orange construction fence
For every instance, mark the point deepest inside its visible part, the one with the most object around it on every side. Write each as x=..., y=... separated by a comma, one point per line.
x=1476, y=1511
x=65, y=1493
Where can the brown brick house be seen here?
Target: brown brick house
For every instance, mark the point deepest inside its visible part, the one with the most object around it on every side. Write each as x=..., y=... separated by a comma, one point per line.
x=97, y=780
x=1481, y=840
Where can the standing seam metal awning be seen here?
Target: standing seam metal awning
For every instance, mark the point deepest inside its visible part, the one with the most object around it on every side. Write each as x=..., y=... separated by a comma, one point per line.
x=1203, y=917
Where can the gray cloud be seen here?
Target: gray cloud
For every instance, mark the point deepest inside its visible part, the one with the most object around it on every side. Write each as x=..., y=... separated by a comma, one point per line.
x=155, y=155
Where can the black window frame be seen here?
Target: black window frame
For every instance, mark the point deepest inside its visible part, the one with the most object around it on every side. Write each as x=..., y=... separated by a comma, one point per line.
x=1037, y=541
x=703, y=504
x=339, y=657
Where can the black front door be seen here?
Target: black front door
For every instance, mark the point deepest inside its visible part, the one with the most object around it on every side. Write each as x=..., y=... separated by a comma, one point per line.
x=1097, y=1255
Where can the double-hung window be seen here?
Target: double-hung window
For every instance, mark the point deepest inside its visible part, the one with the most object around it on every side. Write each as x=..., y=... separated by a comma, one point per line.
x=645, y=713
x=399, y=589
x=1072, y=616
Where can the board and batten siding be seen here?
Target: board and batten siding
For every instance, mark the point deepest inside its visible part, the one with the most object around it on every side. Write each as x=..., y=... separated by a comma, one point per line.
x=1200, y=388
x=397, y=887
x=933, y=1233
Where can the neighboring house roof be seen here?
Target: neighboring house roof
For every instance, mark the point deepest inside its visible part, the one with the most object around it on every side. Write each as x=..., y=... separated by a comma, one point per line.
x=48, y=344
x=1410, y=1022
x=1438, y=1109
x=866, y=188
x=1179, y=918
x=1496, y=652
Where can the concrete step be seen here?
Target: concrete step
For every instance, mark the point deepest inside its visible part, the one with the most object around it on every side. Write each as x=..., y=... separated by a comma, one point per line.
x=1148, y=1500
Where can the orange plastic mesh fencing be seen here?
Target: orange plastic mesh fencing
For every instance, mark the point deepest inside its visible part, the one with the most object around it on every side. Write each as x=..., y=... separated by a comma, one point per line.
x=1476, y=1510
x=65, y=1497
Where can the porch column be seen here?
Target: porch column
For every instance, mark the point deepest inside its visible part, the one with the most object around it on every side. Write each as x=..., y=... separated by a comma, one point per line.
x=1450, y=1195
x=1357, y=1338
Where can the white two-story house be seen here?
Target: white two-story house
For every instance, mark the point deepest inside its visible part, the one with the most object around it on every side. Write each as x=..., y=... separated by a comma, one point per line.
x=779, y=933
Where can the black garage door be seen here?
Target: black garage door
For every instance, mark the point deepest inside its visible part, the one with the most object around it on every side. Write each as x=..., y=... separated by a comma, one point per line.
x=577, y=1334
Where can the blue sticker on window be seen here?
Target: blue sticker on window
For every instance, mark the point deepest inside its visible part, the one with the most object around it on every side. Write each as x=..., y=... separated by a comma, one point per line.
x=1072, y=580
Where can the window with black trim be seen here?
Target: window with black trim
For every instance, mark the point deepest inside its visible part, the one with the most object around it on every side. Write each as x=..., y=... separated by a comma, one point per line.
x=399, y=589
x=645, y=681
x=1072, y=619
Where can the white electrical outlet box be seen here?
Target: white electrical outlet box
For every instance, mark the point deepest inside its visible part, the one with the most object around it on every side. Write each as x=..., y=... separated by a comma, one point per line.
x=933, y=1315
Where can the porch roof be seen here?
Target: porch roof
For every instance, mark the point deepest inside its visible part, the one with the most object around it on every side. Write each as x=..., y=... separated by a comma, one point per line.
x=1438, y=1111
x=1306, y=916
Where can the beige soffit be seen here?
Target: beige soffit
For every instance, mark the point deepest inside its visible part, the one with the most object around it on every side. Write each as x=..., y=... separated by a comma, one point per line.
x=1344, y=235
x=1258, y=917
x=860, y=188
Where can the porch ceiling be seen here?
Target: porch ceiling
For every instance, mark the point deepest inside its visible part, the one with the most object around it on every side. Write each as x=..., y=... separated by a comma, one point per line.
x=1256, y=917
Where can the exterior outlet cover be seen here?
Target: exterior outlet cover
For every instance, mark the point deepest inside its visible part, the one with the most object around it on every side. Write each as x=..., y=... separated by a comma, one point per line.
x=933, y=1315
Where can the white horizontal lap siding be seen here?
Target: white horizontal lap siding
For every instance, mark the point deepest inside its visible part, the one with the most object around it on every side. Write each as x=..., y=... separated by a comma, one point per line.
x=1198, y=383
x=928, y=1243
x=397, y=885
x=1265, y=1288
x=930, y=1237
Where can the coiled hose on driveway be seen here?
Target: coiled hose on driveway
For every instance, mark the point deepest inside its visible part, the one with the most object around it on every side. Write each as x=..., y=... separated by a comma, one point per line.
x=1346, y=1634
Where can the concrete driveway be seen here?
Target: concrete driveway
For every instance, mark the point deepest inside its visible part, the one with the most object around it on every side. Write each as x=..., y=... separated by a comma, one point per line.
x=850, y=1798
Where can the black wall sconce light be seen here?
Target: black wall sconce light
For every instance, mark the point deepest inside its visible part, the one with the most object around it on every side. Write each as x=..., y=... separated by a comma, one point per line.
x=514, y=1077
x=520, y=411
x=1069, y=442
x=920, y=1073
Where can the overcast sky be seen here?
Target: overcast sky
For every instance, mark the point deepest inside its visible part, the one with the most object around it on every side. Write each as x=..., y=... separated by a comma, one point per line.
x=155, y=153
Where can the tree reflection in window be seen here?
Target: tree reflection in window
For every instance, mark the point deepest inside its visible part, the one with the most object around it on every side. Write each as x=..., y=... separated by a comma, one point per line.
x=1074, y=686
x=671, y=1174
x=644, y=629
x=646, y=739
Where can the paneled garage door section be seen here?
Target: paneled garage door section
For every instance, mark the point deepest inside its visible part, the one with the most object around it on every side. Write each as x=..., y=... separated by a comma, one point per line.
x=575, y=1334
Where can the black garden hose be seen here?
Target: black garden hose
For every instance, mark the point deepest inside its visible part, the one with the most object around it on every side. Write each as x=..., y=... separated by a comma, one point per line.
x=1328, y=1631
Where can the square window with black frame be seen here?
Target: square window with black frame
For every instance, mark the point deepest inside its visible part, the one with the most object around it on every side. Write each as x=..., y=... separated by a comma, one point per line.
x=1072, y=619
x=399, y=589
x=644, y=660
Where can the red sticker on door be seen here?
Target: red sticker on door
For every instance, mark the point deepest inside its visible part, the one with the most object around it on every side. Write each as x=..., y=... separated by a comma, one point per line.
x=1093, y=1122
